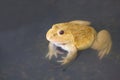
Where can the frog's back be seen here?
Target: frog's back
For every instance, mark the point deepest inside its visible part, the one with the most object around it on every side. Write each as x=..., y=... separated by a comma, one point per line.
x=84, y=35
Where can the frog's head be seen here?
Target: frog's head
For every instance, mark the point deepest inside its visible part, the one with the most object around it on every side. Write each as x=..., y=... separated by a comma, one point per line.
x=59, y=33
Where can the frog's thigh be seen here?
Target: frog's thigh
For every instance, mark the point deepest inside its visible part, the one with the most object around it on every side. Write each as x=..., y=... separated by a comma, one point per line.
x=103, y=43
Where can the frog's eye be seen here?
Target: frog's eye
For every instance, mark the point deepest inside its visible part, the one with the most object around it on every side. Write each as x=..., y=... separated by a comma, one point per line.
x=61, y=32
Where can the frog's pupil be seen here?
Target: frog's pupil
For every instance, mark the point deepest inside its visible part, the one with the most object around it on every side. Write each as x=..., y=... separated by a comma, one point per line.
x=61, y=32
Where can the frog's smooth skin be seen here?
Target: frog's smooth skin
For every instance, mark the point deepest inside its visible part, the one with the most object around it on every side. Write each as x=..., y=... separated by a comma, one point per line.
x=77, y=35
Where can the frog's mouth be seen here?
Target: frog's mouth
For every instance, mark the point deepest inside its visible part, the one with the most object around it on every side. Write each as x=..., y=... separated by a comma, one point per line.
x=59, y=43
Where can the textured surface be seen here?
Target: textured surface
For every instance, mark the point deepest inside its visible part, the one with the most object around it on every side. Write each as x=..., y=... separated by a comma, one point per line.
x=23, y=46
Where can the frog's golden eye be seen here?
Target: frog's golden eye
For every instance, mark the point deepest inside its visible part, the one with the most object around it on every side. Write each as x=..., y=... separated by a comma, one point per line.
x=61, y=32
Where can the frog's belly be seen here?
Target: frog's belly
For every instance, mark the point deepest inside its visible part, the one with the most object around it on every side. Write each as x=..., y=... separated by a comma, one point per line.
x=66, y=47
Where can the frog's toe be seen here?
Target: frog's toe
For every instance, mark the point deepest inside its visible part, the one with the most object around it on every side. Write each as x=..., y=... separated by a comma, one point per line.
x=48, y=56
x=101, y=54
x=55, y=54
x=64, y=61
x=104, y=52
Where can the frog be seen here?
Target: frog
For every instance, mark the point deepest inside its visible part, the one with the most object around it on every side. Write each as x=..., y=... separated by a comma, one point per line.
x=74, y=36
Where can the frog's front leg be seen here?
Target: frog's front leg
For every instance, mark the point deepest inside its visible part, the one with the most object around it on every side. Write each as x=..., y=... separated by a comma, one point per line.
x=72, y=53
x=52, y=51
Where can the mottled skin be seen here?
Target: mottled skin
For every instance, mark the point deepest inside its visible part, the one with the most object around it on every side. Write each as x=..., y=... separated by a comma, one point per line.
x=77, y=35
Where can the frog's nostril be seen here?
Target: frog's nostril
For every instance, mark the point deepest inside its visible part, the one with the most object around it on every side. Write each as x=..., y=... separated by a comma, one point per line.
x=54, y=34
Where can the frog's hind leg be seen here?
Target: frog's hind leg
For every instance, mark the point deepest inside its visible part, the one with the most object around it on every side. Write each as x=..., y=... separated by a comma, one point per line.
x=102, y=43
x=81, y=22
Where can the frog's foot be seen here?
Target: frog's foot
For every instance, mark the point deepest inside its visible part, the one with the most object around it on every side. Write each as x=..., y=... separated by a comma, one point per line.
x=103, y=43
x=51, y=54
x=70, y=57
x=64, y=61
x=52, y=51
x=104, y=51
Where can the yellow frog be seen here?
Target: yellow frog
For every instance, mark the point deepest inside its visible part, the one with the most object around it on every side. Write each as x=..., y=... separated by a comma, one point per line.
x=77, y=35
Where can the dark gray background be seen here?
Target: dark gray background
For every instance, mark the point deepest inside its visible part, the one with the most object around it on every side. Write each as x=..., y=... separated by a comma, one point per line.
x=23, y=46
